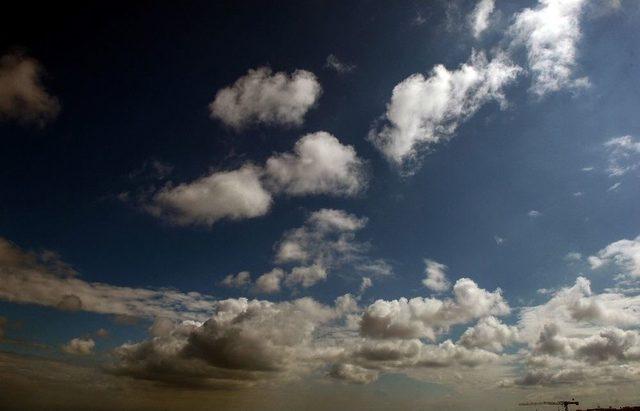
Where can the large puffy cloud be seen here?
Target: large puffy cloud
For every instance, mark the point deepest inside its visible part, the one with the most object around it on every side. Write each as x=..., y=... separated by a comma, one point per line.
x=262, y=96
x=22, y=96
x=36, y=278
x=242, y=341
x=577, y=310
x=624, y=254
x=580, y=337
x=607, y=356
x=361, y=361
x=247, y=341
x=490, y=334
x=426, y=110
x=624, y=155
x=428, y=317
x=550, y=32
x=236, y=194
x=319, y=164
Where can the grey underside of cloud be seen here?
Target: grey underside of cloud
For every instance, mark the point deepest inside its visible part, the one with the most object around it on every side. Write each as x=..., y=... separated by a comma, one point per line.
x=197, y=341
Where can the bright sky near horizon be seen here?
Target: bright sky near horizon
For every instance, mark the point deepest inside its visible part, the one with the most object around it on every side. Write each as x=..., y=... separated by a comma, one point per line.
x=319, y=205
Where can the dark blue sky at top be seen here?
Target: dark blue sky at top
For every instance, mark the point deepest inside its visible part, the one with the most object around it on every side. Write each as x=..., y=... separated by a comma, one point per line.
x=134, y=82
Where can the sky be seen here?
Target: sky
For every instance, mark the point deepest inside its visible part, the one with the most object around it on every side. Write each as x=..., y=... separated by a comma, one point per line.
x=319, y=205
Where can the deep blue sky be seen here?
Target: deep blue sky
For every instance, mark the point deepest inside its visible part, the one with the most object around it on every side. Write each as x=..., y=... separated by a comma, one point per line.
x=134, y=82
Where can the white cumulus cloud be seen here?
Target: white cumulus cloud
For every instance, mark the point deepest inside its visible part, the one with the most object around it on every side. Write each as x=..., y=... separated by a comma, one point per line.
x=426, y=110
x=550, y=32
x=319, y=164
x=264, y=97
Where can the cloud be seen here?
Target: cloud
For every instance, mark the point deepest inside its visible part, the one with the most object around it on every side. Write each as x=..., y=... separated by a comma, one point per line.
x=353, y=373
x=534, y=213
x=401, y=355
x=319, y=164
x=338, y=66
x=324, y=242
x=576, y=307
x=428, y=317
x=436, y=279
x=264, y=97
x=376, y=268
x=624, y=254
x=624, y=155
x=306, y=276
x=615, y=186
x=269, y=283
x=27, y=279
x=573, y=256
x=579, y=336
x=239, y=280
x=365, y=284
x=102, y=333
x=489, y=334
x=243, y=341
x=550, y=32
x=79, y=346
x=233, y=195
x=22, y=96
x=424, y=111
x=326, y=238
x=479, y=18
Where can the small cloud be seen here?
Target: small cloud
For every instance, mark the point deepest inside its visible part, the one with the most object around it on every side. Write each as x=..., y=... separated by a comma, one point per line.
x=152, y=170
x=376, y=268
x=587, y=169
x=534, y=213
x=418, y=20
x=436, y=279
x=237, y=280
x=479, y=20
x=22, y=96
x=269, y=283
x=573, y=256
x=578, y=194
x=624, y=155
x=546, y=291
x=338, y=66
x=366, y=283
x=102, y=333
x=79, y=346
x=499, y=240
x=614, y=187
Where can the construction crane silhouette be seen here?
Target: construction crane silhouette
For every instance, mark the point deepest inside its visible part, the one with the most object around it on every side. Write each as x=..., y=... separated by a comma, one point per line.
x=564, y=404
